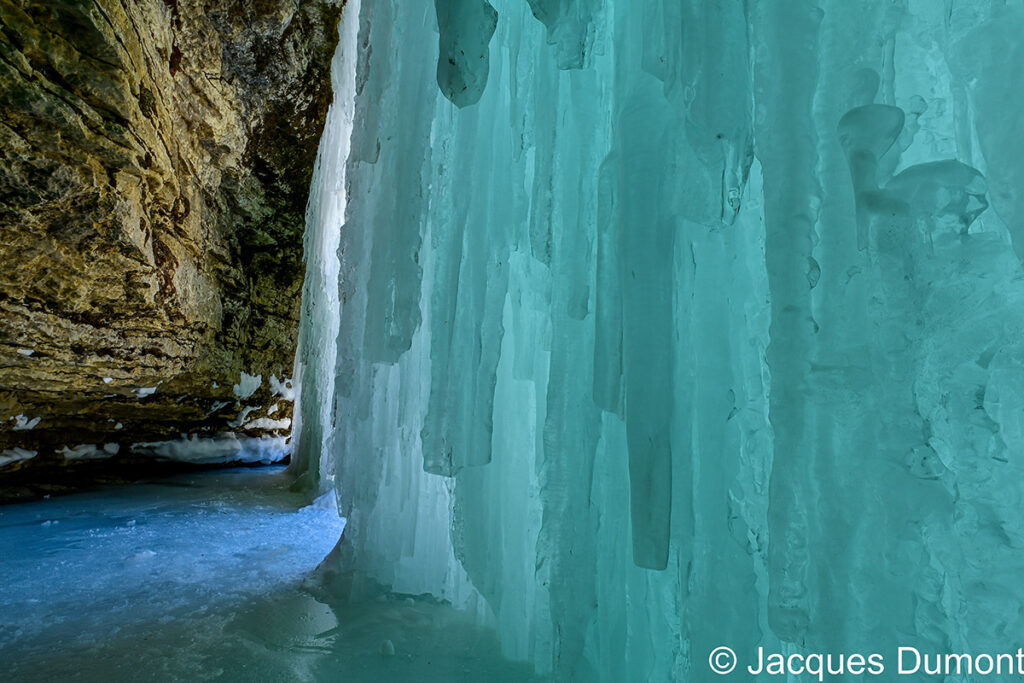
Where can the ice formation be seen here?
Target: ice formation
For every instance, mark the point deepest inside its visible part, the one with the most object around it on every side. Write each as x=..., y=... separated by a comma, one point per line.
x=313, y=386
x=159, y=557
x=674, y=324
x=88, y=451
x=222, y=448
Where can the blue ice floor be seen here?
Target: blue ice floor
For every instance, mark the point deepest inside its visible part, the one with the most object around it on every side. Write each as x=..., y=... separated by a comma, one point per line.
x=206, y=577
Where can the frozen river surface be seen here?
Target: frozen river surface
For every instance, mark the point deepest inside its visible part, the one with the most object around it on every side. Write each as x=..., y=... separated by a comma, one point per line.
x=207, y=577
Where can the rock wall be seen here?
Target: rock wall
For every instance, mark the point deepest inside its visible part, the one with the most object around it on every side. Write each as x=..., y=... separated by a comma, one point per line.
x=155, y=159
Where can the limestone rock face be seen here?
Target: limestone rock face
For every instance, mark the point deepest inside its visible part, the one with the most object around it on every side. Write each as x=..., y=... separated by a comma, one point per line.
x=155, y=158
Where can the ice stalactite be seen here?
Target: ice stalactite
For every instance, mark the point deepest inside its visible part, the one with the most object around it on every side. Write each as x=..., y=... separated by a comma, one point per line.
x=466, y=27
x=676, y=324
x=315, y=361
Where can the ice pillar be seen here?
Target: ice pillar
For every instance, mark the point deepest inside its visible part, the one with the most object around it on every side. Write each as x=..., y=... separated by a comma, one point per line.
x=678, y=324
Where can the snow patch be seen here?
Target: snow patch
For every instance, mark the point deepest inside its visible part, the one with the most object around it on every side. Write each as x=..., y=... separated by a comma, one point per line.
x=283, y=388
x=217, y=406
x=108, y=380
x=268, y=423
x=22, y=423
x=26, y=352
x=87, y=451
x=15, y=455
x=247, y=385
x=272, y=409
x=143, y=392
x=237, y=422
x=218, y=449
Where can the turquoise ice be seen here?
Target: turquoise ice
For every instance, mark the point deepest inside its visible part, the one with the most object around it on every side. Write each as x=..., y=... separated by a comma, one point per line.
x=673, y=324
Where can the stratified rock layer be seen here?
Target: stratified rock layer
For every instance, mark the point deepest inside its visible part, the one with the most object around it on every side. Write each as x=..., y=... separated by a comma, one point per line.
x=155, y=158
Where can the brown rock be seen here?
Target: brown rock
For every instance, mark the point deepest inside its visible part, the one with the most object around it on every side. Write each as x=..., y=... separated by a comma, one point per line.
x=155, y=160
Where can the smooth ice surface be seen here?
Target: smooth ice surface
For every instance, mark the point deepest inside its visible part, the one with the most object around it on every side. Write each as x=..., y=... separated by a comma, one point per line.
x=208, y=577
x=707, y=314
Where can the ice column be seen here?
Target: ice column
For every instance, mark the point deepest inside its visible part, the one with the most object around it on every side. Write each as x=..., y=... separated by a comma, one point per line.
x=313, y=425
x=675, y=324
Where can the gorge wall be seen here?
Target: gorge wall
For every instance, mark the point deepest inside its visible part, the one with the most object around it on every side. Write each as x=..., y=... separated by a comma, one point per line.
x=155, y=159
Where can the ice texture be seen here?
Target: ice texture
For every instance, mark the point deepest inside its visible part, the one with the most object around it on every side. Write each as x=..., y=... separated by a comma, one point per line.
x=119, y=583
x=86, y=451
x=313, y=385
x=465, y=28
x=211, y=576
x=708, y=314
x=223, y=448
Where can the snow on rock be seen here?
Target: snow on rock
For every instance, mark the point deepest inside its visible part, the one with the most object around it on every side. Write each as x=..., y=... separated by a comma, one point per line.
x=247, y=385
x=217, y=406
x=23, y=423
x=143, y=392
x=218, y=449
x=282, y=388
x=26, y=352
x=237, y=422
x=12, y=455
x=269, y=423
x=88, y=451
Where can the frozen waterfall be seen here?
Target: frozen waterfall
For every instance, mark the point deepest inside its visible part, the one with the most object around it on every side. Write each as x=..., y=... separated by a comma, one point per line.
x=667, y=325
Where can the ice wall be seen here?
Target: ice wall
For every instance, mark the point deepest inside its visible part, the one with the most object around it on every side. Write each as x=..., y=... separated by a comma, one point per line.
x=674, y=324
x=316, y=354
